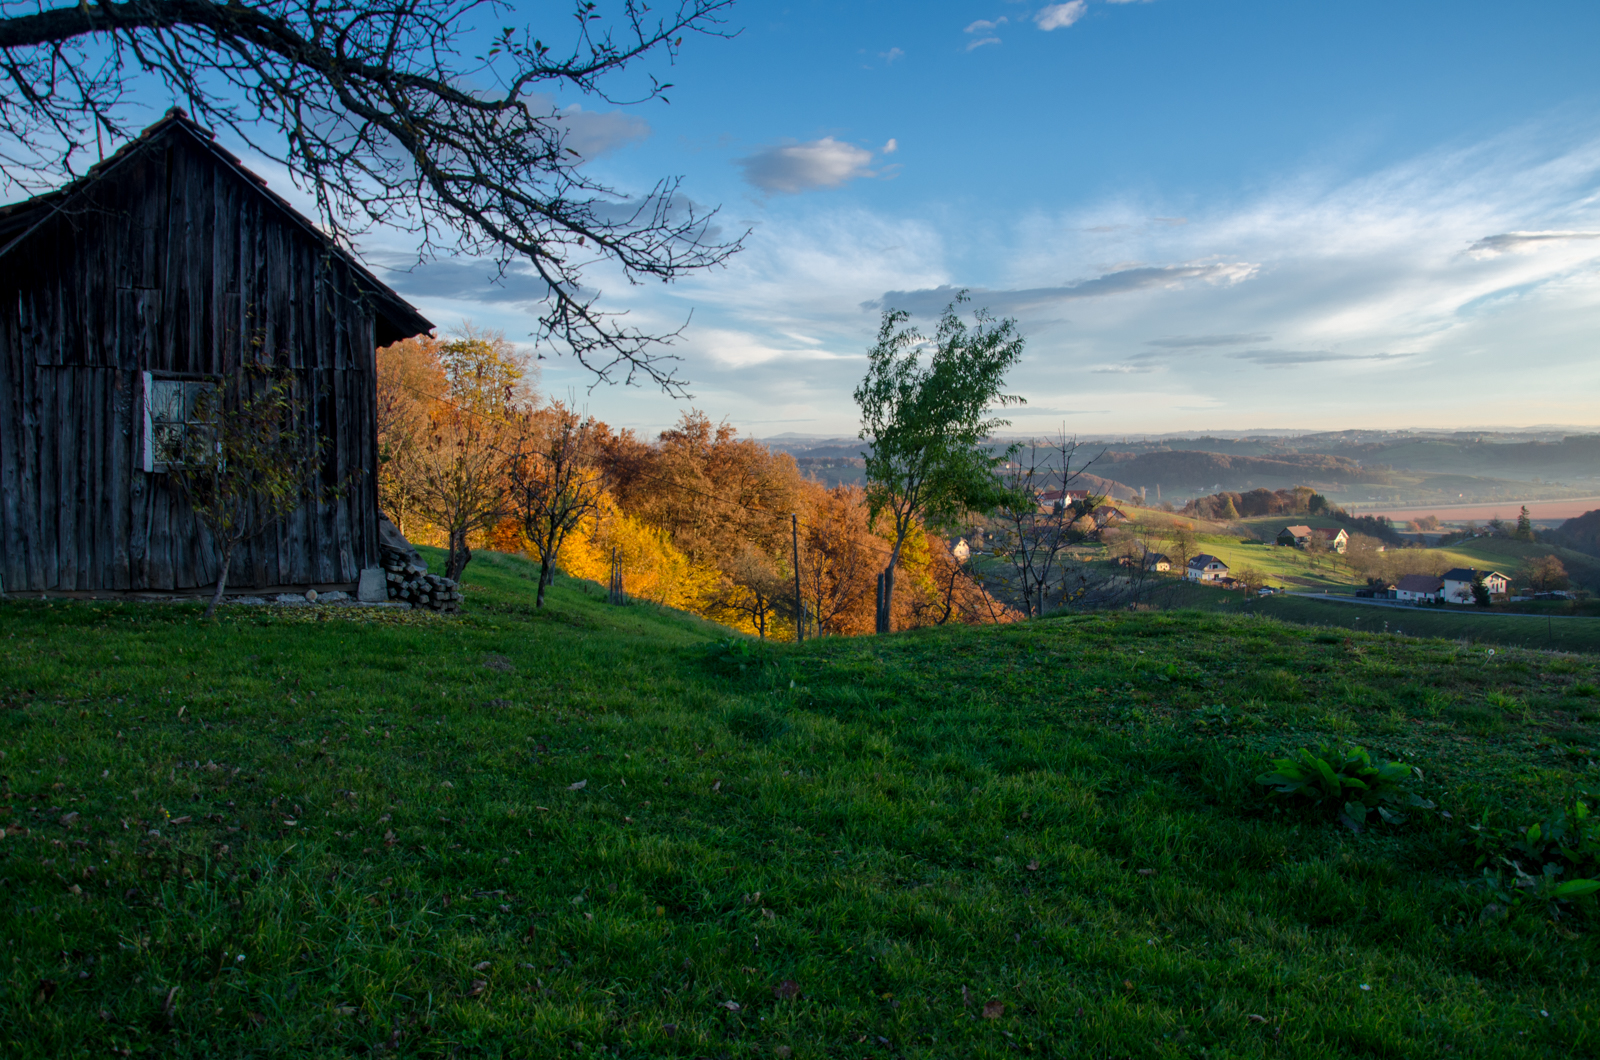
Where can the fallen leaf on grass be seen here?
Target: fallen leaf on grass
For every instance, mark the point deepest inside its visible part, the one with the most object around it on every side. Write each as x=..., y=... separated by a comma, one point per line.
x=994, y=1010
x=44, y=990
x=1147, y=872
x=786, y=990
x=669, y=1029
x=1033, y=866
x=717, y=786
x=481, y=966
x=731, y=1006
x=478, y=987
x=179, y=820
x=1257, y=1019
x=579, y=786
x=68, y=818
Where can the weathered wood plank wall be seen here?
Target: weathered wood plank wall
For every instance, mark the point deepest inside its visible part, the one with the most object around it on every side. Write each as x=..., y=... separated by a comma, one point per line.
x=173, y=264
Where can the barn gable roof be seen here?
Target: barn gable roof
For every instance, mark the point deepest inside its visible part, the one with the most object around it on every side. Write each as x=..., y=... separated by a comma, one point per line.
x=19, y=220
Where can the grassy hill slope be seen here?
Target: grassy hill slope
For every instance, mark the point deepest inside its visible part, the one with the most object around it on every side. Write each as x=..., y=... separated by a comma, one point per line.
x=538, y=834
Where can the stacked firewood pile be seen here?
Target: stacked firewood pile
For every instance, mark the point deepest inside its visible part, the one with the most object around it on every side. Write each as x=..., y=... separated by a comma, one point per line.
x=408, y=577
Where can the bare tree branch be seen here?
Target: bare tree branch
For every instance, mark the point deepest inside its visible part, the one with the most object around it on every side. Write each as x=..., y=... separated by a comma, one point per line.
x=378, y=111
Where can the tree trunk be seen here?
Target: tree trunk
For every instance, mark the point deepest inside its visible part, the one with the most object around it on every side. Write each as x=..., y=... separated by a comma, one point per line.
x=546, y=576
x=460, y=555
x=222, y=582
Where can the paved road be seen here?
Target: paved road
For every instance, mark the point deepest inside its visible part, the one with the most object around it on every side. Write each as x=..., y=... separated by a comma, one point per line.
x=1395, y=605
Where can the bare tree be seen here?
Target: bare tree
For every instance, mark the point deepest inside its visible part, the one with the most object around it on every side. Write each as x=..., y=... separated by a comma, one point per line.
x=553, y=482
x=381, y=115
x=1032, y=534
x=246, y=458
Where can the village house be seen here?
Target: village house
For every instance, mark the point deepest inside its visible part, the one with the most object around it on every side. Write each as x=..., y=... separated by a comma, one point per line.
x=1418, y=588
x=1106, y=515
x=1157, y=561
x=1055, y=500
x=1301, y=536
x=1457, y=588
x=165, y=270
x=1206, y=568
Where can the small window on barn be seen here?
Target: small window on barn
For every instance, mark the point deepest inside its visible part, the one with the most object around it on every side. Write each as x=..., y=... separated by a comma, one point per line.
x=172, y=420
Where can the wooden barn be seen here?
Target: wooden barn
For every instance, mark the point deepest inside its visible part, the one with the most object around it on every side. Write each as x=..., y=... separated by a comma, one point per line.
x=162, y=270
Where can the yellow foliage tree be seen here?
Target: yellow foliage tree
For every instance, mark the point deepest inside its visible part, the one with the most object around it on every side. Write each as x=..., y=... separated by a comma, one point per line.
x=652, y=567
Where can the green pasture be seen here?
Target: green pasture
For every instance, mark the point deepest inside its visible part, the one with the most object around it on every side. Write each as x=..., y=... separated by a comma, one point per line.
x=616, y=831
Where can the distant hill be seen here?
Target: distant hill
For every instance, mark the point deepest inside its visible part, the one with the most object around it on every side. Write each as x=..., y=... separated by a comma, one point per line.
x=1581, y=533
x=1190, y=469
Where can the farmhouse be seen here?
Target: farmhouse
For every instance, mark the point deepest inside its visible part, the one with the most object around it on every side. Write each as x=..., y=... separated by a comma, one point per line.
x=1157, y=561
x=1206, y=568
x=1301, y=536
x=1417, y=588
x=1458, y=584
x=164, y=270
x=1055, y=500
x=1105, y=515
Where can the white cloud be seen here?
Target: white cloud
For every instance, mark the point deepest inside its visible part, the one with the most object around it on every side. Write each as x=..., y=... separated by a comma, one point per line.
x=593, y=133
x=981, y=41
x=1361, y=285
x=983, y=25
x=796, y=167
x=891, y=147
x=1060, y=16
x=891, y=55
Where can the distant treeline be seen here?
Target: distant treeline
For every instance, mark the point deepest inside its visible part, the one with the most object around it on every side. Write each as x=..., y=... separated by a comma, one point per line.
x=1301, y=500
x=1186, y=468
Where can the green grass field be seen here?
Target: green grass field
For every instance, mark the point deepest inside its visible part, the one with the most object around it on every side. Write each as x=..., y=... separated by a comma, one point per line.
x=596, y=830
x=1552, y=632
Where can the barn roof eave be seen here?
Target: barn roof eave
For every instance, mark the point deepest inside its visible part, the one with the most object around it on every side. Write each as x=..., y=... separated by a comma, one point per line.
x=19, y=220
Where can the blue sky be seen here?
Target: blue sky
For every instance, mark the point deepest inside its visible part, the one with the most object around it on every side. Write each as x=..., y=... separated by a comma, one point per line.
x=1206, y=214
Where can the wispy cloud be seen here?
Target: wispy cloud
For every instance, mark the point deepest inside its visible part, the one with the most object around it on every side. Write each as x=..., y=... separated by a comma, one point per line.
x=981, y=41
x=795, y=167
x=891, y=55
x=1295, y=358
x=984, y=25
x=1184, y=342
x=1122, y=281
x=1514, y=242
x=1171, y=326
x=1060, y=16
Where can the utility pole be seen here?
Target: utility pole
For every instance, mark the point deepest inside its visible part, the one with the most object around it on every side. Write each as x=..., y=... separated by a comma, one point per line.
x=799, y=606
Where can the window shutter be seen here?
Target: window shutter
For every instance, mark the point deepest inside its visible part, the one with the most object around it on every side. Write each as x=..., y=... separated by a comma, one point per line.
x=147, y=449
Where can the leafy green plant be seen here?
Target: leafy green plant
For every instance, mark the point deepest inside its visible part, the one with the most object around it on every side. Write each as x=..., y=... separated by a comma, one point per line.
x=1569, y=838
x=1347, y=783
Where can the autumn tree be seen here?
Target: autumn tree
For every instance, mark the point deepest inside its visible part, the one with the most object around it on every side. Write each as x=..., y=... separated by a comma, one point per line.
x=459, y=481
x=410, y=383
x=399, y=116
x=926, y=423
x=1251, y=579
x=1546, y=573
x=553, y=484
x=248, y=457
x=838, y=560
x=756, y=589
